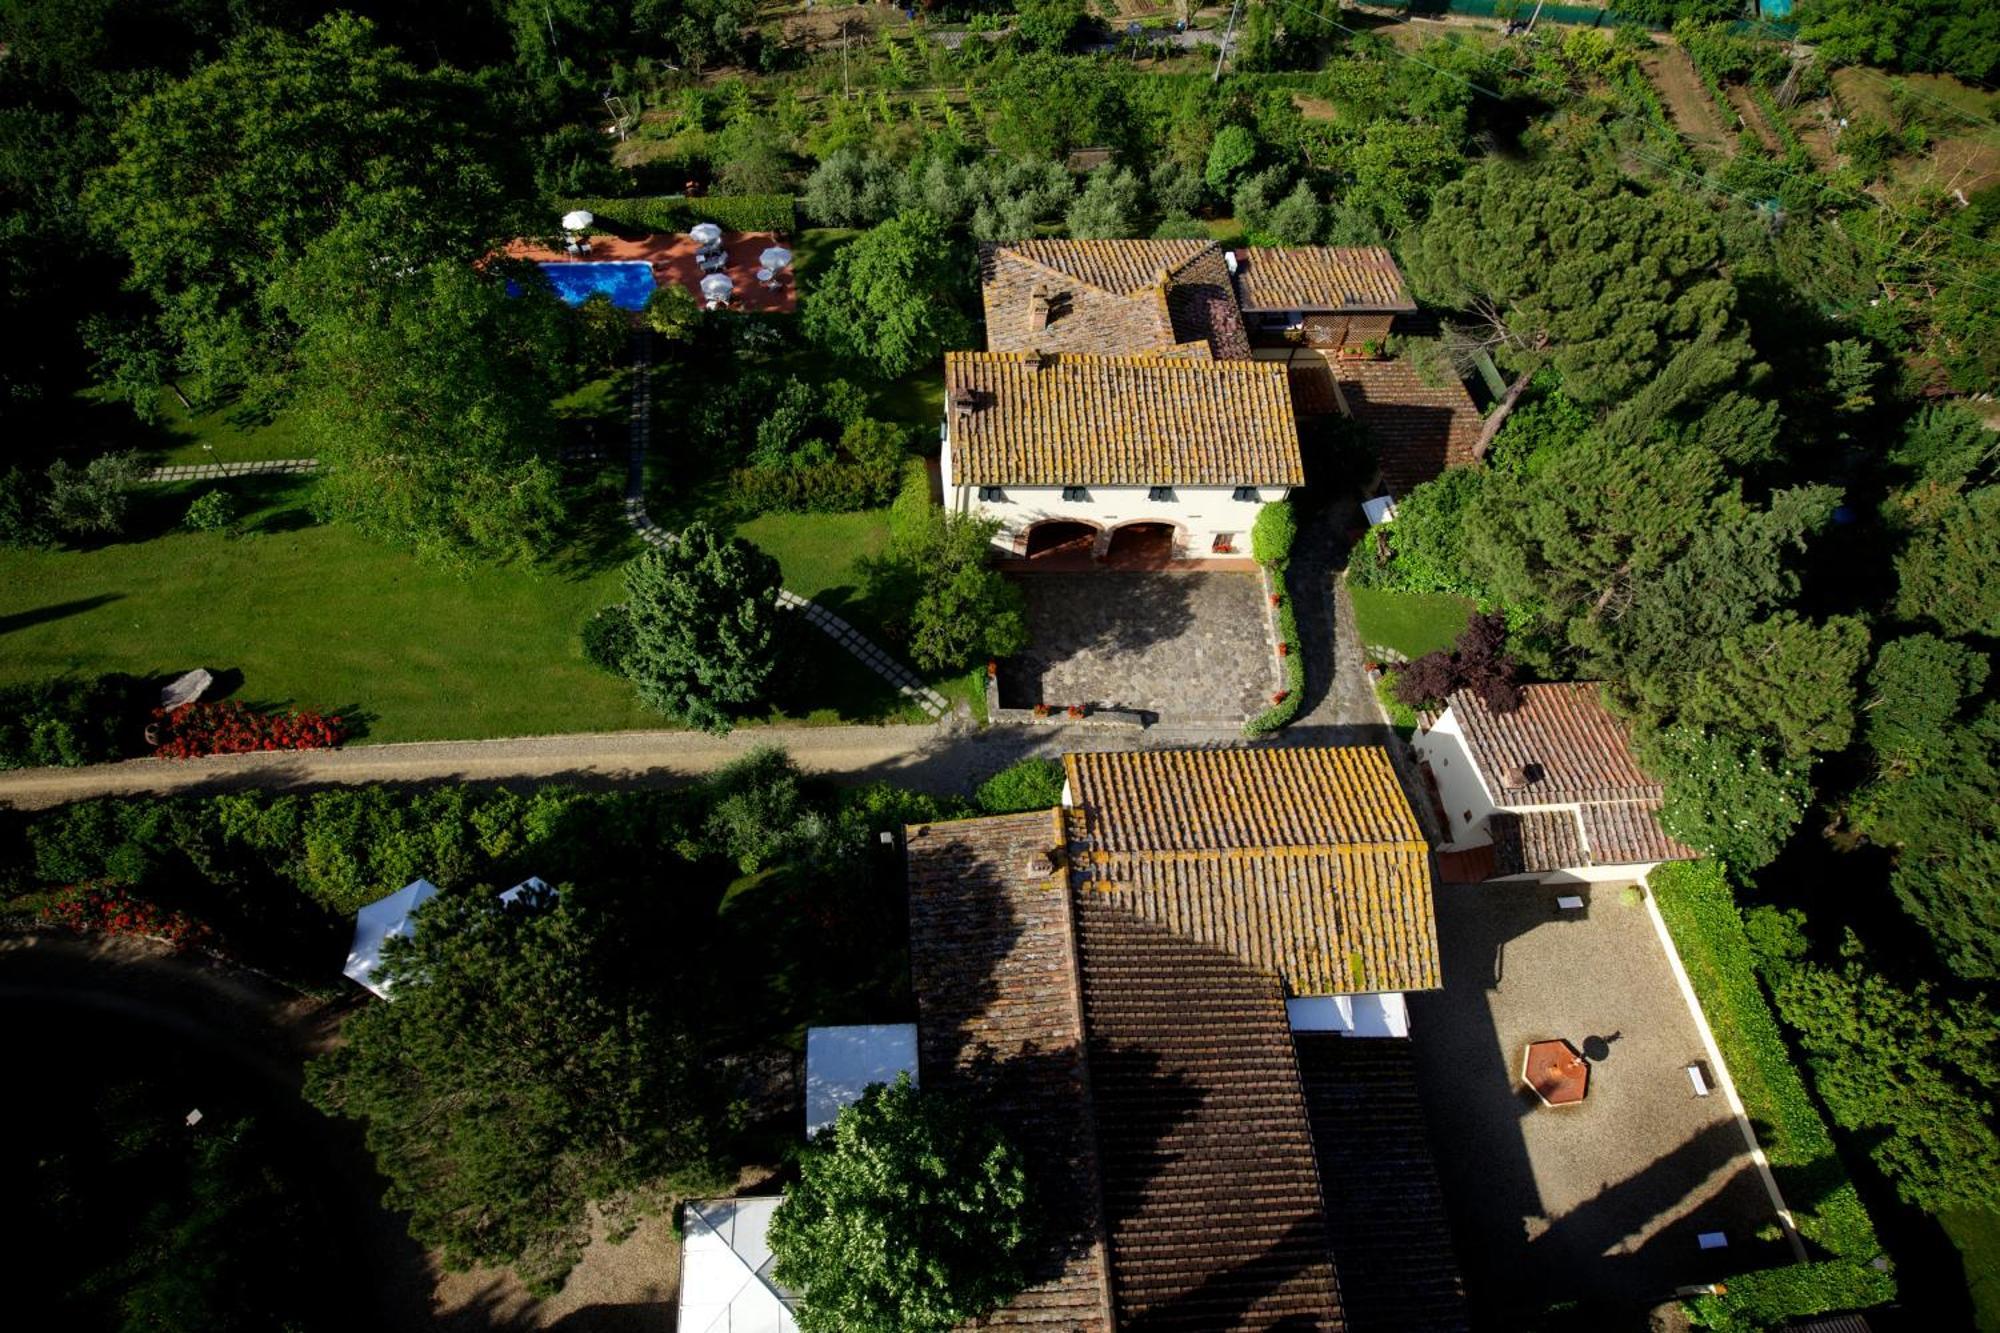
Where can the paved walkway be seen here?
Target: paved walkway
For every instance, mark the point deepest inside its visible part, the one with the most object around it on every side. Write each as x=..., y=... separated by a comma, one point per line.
x=266, y=467
x=907, y=682
x=944, y=760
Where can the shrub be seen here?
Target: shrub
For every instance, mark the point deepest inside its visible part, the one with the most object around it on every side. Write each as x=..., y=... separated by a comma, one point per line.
x=211, y=512
x=1232, y=152
x=673, y=212
x=1272, y=535
x=673, y=313
x=95, y=497
x=607, y=638
x=67, y=721
x=1025, y=784
x=1477, y=662
x=24, y=515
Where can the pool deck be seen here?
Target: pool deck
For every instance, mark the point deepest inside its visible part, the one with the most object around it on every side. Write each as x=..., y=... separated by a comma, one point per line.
x=672, y=255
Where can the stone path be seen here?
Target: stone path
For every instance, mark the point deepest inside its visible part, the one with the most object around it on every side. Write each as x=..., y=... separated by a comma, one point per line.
x=267, y=467
x=907, y=682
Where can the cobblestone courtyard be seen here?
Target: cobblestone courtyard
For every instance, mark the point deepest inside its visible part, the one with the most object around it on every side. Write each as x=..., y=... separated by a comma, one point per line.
x=1186, y=647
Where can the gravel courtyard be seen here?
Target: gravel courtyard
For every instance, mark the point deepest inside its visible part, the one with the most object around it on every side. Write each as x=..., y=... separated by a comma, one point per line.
x=1600, y=1202
x=1186, y=647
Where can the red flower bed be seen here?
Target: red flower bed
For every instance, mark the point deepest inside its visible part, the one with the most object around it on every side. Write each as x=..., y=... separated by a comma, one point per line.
x=110, y=910
x=198, y=729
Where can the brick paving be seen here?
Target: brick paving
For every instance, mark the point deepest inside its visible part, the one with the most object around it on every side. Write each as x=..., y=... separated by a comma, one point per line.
x=907, y=682
x=1185, y=647
x=267, y=467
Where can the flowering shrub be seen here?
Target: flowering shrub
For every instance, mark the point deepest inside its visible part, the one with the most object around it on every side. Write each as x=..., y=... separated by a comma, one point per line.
x=197, y=729
x=109, y=910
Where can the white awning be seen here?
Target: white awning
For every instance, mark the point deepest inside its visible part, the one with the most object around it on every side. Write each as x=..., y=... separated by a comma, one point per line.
x=726, y=1282
x=1381, y=1014
x=376, y=923
x=842, y=1062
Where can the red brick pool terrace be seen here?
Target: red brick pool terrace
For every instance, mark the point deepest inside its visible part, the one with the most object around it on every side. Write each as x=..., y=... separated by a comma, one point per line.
x=672, y=255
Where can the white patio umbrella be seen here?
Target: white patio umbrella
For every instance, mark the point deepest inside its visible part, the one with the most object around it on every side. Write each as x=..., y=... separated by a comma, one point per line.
x=717, y=288
x=578, y=220
x=777, y=258
x=706, y=234
x=376, y=923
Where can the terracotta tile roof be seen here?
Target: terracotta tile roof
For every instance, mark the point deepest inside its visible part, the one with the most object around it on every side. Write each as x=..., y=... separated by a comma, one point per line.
x=1151, y=420
x=1391, y=1238
x=1419, y=430
x=1533, y=841
x=1628, y=832
x=993, y=965
x=1211, y=1191
x=1305, y=862
x=1318, y=277
x=1562, y=738
x=1573, y=751
x=1121, y=267
x=1113, y=298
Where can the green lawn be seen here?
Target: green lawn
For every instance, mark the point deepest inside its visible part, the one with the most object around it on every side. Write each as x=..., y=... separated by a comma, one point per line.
x=320, y=617
x=1977, y=1236
x=1410, y=623
x=222, y=436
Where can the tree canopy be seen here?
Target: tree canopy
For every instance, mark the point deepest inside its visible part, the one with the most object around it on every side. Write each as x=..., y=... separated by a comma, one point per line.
x=911, y=1215
x=523, y=1072
x=223, y=179
x=704, y=612
x=890, y=298
x=1569, y=265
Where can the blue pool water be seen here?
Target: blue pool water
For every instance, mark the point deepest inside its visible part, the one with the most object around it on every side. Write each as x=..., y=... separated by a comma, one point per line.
x=627, y=284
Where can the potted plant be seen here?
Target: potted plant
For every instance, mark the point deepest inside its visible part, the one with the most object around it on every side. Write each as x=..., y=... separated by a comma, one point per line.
x=1076, y=712
x=1041, y=710
x=1284, y=649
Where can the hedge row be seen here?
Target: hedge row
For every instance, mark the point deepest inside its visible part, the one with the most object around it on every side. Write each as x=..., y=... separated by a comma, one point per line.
x=1281, y=713
x=1701, y=914
x=1769, y=1298
x=675, y=212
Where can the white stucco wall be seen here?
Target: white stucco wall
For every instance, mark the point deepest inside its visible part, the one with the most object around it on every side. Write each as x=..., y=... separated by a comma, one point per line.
x=1467, y=802
x=1200, y=511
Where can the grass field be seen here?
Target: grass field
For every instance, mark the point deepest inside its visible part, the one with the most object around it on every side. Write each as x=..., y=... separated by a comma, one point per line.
x=1410, y=623
x=319, y=616
x=1977, y=1236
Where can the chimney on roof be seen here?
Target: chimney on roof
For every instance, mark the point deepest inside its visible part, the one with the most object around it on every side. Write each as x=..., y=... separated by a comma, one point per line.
x=1041, y=863
x=1035, y=359
x=1040, y=302
x=964, y=402
x=1517, y=776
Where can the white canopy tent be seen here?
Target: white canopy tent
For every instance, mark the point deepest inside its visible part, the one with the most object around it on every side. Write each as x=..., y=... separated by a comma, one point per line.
x=532, y=891
x=841, y=1063
x=375, y=923
x=726, y=1282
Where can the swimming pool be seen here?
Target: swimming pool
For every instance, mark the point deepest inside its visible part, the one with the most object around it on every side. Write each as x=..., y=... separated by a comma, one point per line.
x=628, y=284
